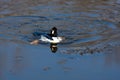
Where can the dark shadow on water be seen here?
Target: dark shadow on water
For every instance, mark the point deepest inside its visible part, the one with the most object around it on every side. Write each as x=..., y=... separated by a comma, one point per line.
x=53, y=47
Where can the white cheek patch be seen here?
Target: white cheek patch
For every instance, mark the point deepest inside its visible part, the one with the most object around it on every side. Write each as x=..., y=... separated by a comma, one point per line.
x=52, y=32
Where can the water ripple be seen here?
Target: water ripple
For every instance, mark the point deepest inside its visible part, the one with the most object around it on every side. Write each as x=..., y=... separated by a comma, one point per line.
x=77, y=33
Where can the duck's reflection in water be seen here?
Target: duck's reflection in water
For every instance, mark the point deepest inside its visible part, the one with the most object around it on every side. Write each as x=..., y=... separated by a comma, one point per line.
x=53, y=47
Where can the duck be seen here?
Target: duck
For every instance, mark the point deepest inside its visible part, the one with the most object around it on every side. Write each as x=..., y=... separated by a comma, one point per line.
x=51, y=37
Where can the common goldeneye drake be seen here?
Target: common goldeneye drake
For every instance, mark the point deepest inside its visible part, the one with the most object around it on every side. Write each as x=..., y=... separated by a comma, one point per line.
x=50, y=38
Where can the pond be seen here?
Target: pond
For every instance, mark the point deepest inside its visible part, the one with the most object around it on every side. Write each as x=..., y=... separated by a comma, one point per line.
x=90, y=51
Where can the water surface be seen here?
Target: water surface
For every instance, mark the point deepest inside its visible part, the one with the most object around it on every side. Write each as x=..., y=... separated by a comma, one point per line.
x=90, y=50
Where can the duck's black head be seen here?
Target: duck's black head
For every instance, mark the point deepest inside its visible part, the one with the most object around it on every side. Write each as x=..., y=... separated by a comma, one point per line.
x=53, y=32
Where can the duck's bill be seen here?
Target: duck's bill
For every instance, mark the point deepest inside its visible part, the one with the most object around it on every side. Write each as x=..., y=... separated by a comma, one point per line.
x=35, y=42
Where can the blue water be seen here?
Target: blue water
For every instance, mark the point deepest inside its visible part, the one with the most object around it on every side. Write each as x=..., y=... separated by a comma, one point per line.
x=25, y=62
x=90, y=50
